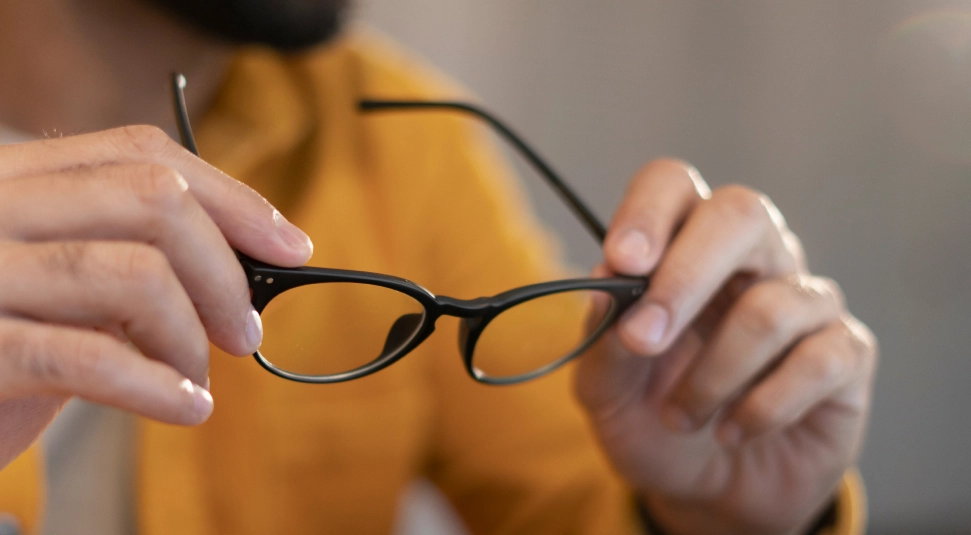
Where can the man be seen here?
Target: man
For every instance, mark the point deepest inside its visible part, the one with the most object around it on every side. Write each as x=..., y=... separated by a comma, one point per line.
x=731, y=398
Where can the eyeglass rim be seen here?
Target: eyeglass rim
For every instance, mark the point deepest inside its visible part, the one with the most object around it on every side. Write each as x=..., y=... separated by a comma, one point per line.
x=268, y=282
x=629, y=288
x=469, y=338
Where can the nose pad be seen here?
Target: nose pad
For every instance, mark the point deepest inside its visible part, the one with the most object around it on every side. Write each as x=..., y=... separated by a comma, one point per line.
x=401, y=331
x=465, y=327
x=463, y=334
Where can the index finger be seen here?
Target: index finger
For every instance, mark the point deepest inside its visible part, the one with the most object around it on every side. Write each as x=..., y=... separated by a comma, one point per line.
x=249, y=223
x=657, y=201
x=737, y=230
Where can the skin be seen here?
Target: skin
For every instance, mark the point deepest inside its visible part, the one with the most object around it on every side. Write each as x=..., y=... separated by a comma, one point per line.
x=735, y=393
x=71, y=66
x=120, y=236
x=732, y=397
x=128, y=236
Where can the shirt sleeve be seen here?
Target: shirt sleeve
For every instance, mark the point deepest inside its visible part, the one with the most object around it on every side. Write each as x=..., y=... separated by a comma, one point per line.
x=21, y=492
x=851, y=507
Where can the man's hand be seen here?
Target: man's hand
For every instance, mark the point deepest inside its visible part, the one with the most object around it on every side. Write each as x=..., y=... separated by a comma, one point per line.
x=116, y=237
x=735, y=393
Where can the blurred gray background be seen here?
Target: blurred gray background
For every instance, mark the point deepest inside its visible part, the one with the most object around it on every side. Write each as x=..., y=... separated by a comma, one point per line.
x=854, y=116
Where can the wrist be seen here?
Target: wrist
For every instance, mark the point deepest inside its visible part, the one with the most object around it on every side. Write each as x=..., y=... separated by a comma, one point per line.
x=665, y=516
x=662, y=515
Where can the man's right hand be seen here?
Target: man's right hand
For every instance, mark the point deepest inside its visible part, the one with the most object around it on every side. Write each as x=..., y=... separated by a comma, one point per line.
x=115, y=237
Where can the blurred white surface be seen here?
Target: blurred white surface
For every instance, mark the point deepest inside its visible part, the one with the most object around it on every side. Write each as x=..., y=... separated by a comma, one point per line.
x=424, y=510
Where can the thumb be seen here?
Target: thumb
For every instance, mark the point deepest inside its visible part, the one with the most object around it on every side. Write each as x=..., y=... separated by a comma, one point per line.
x=607, y=374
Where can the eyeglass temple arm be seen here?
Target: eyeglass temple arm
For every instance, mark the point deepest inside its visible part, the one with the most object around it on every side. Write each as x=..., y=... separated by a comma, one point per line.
x=535, y=160
x=182, y=114
x=185, y=129
x=552, y=177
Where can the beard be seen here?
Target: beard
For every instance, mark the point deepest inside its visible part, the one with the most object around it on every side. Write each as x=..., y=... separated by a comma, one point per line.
x=287, y=25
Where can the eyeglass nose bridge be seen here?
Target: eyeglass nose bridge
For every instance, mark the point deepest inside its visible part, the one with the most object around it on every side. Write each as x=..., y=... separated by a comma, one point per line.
x=465, y=308
x=475, y=315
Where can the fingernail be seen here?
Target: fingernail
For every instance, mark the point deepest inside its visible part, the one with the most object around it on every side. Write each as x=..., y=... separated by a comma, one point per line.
x=291, y=235
x=202, y=400
x=633, y=248
x=207, y=385
x=729, y=434
x=676, y=419
x=254, y=329
x=647, y=325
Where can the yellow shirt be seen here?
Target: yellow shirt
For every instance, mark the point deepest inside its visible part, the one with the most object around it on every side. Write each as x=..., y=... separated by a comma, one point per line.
x=421, y=196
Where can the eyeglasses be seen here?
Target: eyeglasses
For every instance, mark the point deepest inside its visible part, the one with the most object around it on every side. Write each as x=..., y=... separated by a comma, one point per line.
x=372, y=320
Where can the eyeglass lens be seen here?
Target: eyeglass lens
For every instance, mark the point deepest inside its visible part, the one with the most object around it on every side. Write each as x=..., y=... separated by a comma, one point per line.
x=332, y=328
x=534, y=334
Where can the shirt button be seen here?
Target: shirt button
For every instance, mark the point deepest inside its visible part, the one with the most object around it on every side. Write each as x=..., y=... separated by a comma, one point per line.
x=9, y=524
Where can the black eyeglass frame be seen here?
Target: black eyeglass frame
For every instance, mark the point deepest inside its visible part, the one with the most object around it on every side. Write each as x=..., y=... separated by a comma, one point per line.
x=267, y=281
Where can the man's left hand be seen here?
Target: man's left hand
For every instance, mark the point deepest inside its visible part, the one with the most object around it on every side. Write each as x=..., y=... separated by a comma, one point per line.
x=734, y=395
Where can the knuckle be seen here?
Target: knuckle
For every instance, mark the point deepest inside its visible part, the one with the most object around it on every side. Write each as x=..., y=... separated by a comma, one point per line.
x=807, y=291
x=762, y=314
x=36, y=359
x=144, y=140
x=741, y=203
x=667, y=168
x=67, y=258
x=44, y=358
x=700, y=397
x=60, y=358
x=701, y=392
x=824, y=365
x=43, y=367
x=664, y=166
x=862, y=345
x=827, y=287
x=15, y=346
x=764, y=413
x=145, y=266
x=672, y=283
x=246, y=196
x=85, y=357
x=160, y=188
x=860, y=335
x=792, y=243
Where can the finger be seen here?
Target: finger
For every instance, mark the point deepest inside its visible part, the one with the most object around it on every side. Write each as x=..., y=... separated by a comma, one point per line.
x=818, y=368
x=655, y=204
x=737, y=230
x=248, y=221
x=147, y=203
x=768, y=318
x=608, y=376
x=105, y=284
x=600, y=302
x=38, y=359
